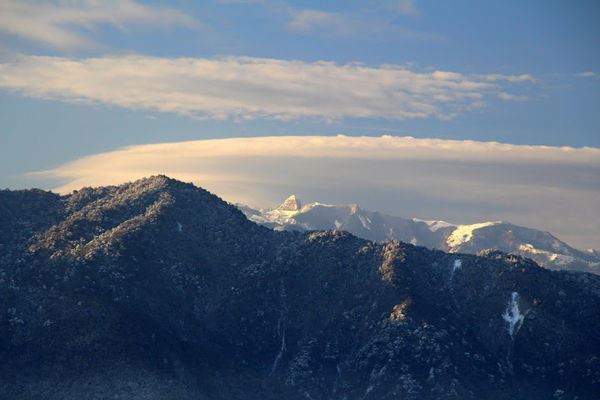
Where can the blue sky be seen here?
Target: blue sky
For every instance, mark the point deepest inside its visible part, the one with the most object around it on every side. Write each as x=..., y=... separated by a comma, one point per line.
x=79, y=78
x=552, y=41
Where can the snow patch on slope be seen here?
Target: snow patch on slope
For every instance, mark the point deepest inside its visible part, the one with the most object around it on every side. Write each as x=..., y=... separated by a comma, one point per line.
x=457, y=265
x=434, y=225
x=558, y=259
x=528, y=248
x=282, y=217
x=512, y=315
x=561, y=259
x=464, y=233
x=365, y=221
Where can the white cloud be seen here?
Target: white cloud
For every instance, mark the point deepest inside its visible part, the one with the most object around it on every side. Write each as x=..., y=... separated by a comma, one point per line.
x=587, y=74
x=308, y=20
x=244, y=87
x=551, y=188
x=59, y=23
x=509, y=78
x=511, y=97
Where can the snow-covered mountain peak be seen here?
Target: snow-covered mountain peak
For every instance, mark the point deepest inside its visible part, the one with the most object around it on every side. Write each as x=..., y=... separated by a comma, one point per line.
x=538, y=245
x=292, y=203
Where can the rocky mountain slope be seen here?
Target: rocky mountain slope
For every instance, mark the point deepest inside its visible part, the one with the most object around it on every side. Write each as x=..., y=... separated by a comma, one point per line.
x=157, y=289
x=542, y=247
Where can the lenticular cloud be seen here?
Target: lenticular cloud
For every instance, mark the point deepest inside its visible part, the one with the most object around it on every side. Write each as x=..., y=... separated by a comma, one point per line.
x=551, y=188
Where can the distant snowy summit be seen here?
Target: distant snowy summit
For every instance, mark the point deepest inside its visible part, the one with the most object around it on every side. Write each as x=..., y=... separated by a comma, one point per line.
x=291, y=204
x=542, y=247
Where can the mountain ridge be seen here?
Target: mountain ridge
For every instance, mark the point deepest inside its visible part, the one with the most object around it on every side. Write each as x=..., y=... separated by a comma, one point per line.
x=541, y=246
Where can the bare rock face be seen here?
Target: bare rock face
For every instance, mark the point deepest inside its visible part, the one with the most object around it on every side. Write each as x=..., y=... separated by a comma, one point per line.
x=158, y=289
x=292, y=203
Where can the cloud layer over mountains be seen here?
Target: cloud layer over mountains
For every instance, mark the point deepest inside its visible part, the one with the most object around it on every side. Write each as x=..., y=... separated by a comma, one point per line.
x=549, y=188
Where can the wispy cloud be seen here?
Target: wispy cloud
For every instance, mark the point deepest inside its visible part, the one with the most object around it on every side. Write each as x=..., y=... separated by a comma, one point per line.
x=309, y=20
x=352, y=25
x=588, y=74
x=508, y=78
x=243, y=87
x=404, y=7
x=511, y=97
x=553, y=188
x=59, y=23
x=372, y=19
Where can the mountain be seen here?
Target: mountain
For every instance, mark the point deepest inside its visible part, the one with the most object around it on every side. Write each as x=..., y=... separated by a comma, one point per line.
x=158, y=289
x=542, y=247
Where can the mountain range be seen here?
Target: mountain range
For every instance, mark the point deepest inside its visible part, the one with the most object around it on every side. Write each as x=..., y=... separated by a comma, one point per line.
x=542, y=247
x=158, y=289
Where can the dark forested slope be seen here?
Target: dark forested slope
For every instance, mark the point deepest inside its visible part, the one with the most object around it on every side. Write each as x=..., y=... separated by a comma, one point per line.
x=158, y=289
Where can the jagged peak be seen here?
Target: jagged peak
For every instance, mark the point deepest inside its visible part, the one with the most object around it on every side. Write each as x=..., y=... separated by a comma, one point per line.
x=292, y=203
